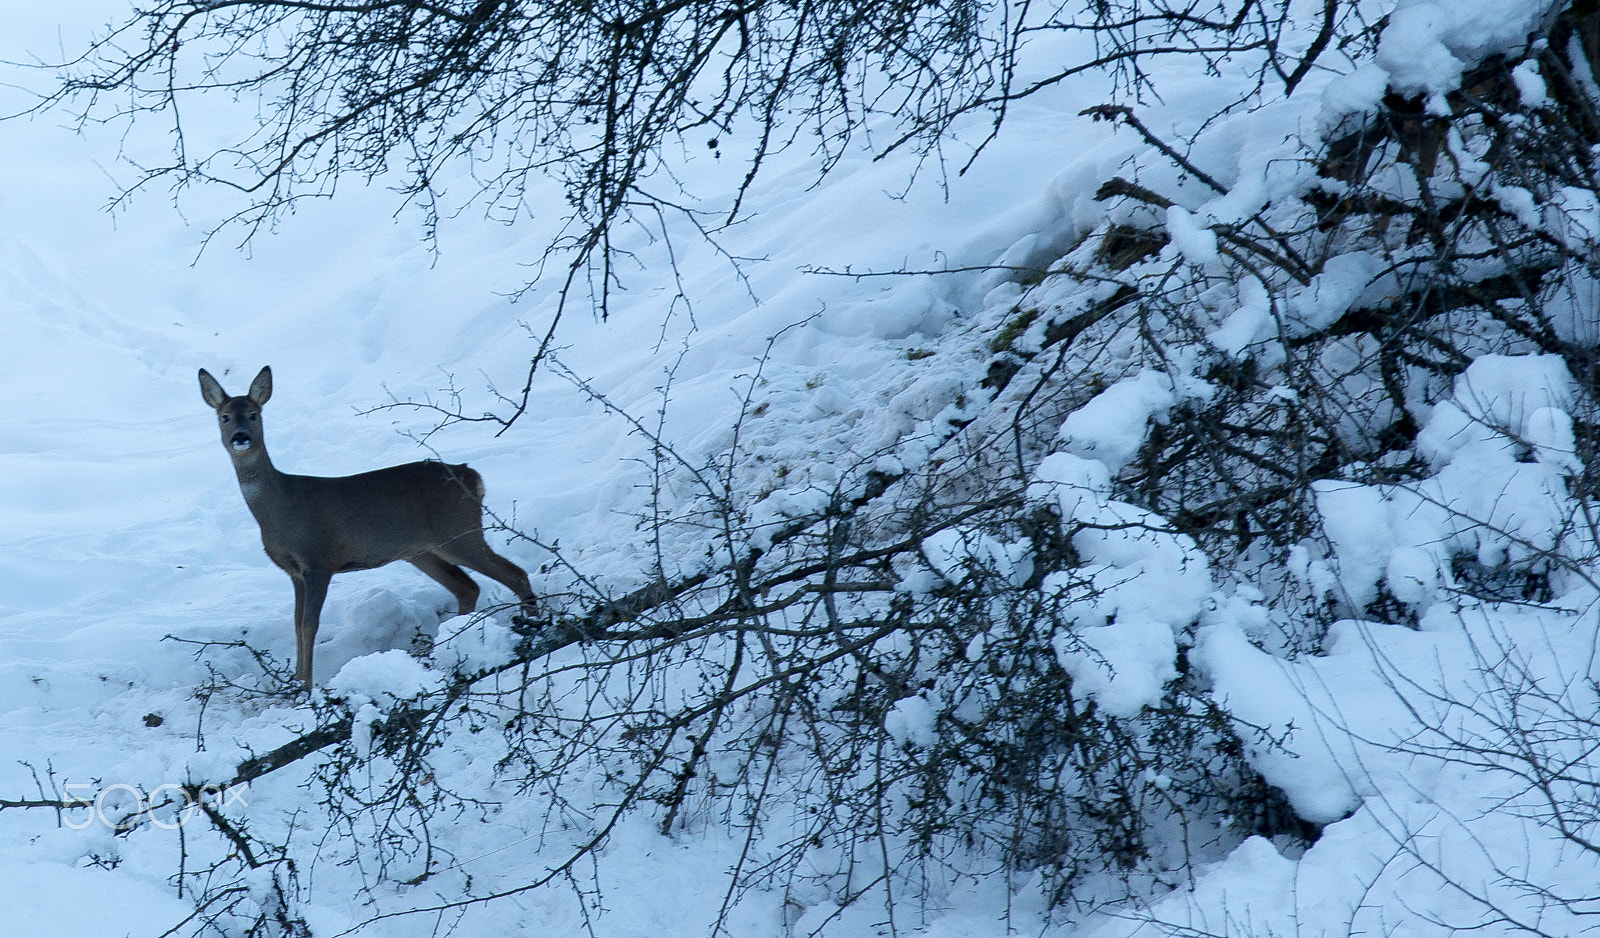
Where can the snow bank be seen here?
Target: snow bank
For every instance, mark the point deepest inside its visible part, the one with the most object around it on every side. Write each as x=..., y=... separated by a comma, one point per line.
x=64, y=902
x=1410, y=745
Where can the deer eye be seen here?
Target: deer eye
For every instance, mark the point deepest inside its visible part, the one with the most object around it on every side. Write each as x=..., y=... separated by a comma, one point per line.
x=224, y=418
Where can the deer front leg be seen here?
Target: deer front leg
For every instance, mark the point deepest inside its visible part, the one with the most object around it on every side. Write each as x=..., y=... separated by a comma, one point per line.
x=310, y=589
x=299, y=614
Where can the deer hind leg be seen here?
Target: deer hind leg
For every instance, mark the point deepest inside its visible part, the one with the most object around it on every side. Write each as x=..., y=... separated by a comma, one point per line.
x=310, y=590
x=473, y=552
x=452, y=577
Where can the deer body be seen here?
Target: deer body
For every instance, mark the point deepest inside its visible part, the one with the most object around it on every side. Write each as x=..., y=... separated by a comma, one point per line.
x=427, y=513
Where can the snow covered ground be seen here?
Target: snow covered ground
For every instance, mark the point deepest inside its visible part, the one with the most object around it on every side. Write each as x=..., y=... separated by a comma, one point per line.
x=123, y=536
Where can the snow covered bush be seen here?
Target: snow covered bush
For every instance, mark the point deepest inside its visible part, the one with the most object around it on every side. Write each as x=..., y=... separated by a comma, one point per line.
x=1342, y=329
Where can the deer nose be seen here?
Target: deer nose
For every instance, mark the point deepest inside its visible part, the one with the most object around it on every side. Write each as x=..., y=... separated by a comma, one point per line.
x=241, y=440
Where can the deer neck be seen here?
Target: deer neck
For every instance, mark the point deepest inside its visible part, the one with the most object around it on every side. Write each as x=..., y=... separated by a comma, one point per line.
x=259, y=481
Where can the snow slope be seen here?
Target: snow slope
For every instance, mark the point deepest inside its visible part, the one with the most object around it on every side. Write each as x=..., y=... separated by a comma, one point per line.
x=122, y=535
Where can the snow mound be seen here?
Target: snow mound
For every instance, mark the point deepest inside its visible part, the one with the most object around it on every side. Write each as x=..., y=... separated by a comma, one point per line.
x=1139, y=587
x=386, y=678
x=1501, y=446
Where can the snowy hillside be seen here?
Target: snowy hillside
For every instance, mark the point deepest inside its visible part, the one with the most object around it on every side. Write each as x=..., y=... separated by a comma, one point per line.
x=1375, y=717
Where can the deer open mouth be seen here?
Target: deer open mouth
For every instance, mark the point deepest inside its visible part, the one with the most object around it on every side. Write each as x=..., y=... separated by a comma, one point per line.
x=241, y=440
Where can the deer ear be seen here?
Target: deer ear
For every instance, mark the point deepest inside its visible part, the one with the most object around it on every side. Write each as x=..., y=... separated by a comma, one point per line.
x=211, y=390
x=261, y=387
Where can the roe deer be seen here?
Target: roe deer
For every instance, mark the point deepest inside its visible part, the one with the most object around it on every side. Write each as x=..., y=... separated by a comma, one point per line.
x=428, y=513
